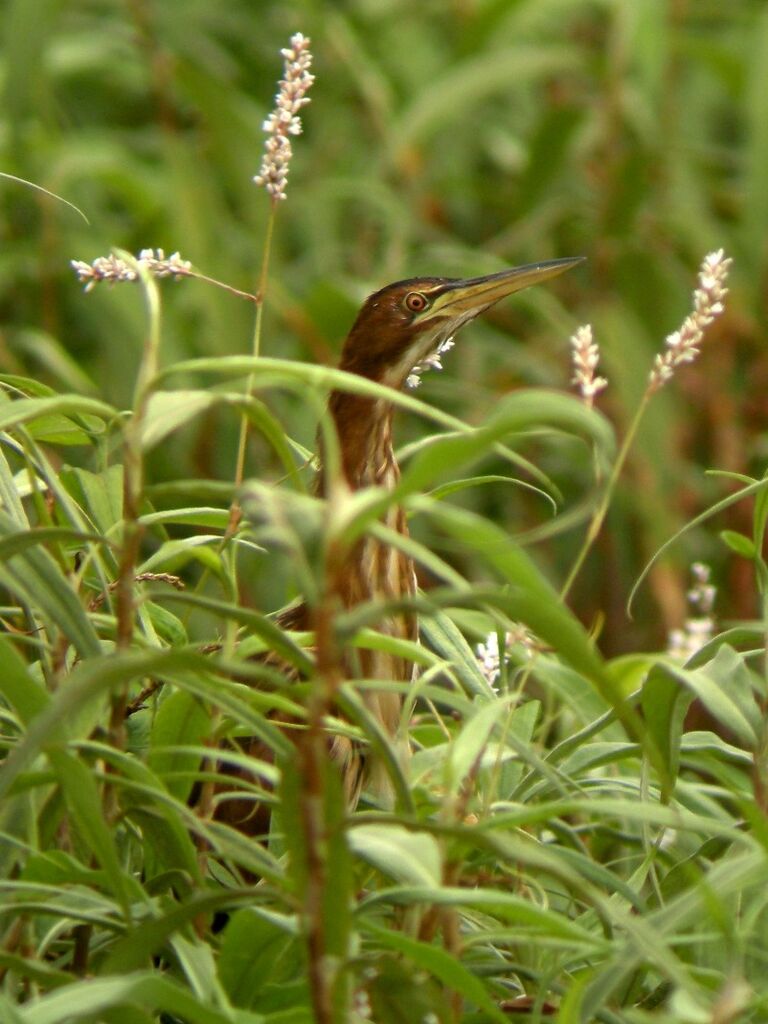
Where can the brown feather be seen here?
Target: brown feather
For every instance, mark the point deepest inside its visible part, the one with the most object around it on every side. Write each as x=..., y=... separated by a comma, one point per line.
x=397, y=329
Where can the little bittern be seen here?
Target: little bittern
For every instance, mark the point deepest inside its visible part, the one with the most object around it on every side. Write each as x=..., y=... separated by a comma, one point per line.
x=399, y=330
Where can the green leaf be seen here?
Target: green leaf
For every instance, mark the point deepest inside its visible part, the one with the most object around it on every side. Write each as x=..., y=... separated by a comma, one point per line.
x=100, y=495
x=455, y=486
x=9, y=1013
x=576, y=692
x=195, y=958
x=298, y=376
x=17, y=543
x=442, y=635
x=255, y=952
x=530, y=598
x=24, y=410
x=10, y=499
x=37, y=579
x=166, y=836
x=518, y=737
x=665, y=703
x=149, y=934
x=441, y=965
x=386, y=748
x=409, y=857
x=79, y=703
x=760, y=519
x=724, y=687
x=739, y=543
x=169, y=410
x=44, y=976
x=63, y=431
x=22, y=692
x=501, y=905
x=56, y=867
x=181, y=719
x=194, y=516
x=398, y=992
x=275, y=638
x=86, y=812
x=521, y=411
x=168, y=626
x=173, y=554
x=468, y=747
x=511, y=816
x=93, y=997
x=570, y=1009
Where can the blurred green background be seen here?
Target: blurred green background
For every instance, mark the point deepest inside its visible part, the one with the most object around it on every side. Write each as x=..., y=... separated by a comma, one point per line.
x=444, y=137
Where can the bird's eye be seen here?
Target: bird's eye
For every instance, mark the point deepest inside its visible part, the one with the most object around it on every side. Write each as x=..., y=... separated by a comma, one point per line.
x=416, y=302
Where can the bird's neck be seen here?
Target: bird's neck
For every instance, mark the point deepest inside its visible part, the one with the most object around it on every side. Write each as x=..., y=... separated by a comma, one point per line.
x=364, y=431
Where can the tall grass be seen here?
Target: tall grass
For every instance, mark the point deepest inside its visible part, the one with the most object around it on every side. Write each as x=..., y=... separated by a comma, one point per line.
x=560, y=845
x=442, y=143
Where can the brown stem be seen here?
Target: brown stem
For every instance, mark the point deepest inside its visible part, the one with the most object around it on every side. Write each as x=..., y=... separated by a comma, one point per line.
x=760, y=774
x=447, y=918
x=197, y=276
x=138, y=702
x=310, y=762
x=204, y=807
x=82, y=935
x=125, y=608
x=13, y=939
x=313, y=768
x=132, y=530
x=143, y=577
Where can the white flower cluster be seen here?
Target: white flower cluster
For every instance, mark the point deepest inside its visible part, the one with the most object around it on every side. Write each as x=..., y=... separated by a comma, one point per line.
x=113, y=268
x=432, y=362
x=586, y=356
x=284, y=120
x=699, y=627
x=683, y=345
x=160, y=265
x=489, y=657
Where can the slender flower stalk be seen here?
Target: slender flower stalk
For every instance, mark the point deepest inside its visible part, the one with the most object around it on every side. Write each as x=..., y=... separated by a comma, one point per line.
x=234, y=517
x=708, y=303
x=114, y=269
x=682, y=347
x=284, y=121
x=586, y=356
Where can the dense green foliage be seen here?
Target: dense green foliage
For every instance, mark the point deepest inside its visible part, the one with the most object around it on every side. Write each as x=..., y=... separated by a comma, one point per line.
x=559, y=843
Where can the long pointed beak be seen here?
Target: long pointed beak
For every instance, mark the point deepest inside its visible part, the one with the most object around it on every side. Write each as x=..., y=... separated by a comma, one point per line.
x=476, y=294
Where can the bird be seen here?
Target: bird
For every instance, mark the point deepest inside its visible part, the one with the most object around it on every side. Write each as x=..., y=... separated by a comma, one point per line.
x=400, y=331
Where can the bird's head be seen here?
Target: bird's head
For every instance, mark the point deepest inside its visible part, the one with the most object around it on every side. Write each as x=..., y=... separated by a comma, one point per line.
x=403, y=328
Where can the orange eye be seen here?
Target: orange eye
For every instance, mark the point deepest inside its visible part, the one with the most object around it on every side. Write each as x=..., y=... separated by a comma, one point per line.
x=416, y=302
